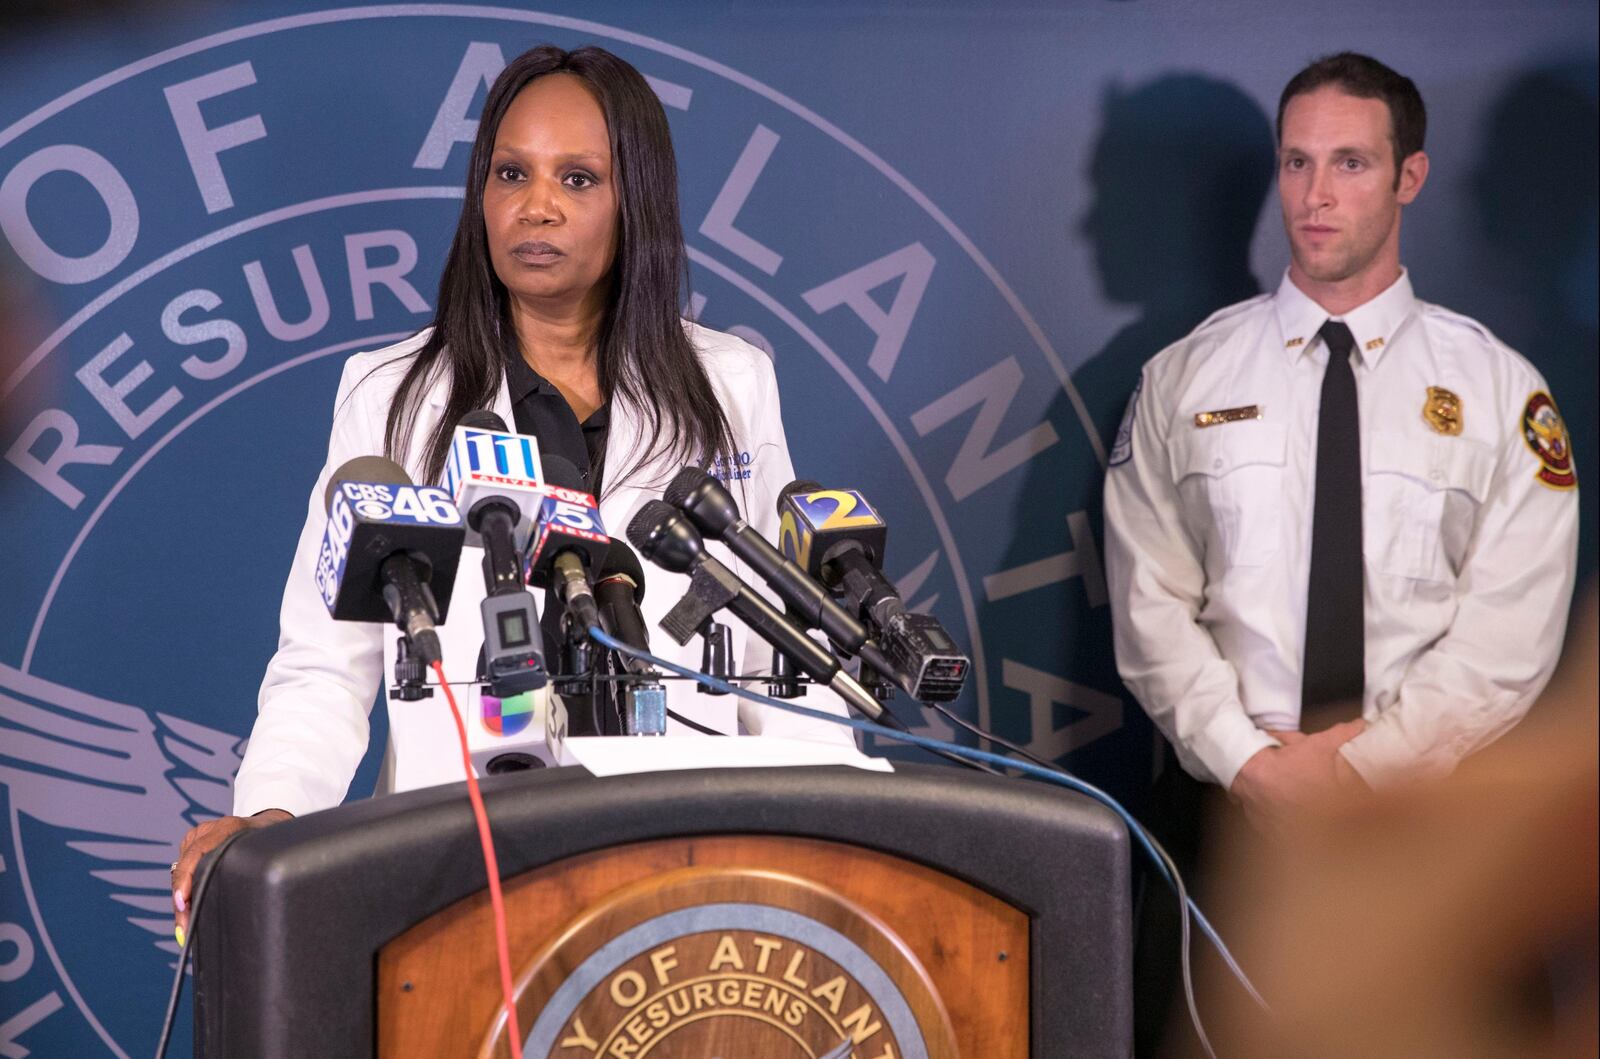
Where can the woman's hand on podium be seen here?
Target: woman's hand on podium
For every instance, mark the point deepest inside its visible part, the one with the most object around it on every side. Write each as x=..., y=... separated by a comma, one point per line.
x=201, y=840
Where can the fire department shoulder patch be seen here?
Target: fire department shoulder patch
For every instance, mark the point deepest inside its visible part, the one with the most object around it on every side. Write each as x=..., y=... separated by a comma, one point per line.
x=1546, y=434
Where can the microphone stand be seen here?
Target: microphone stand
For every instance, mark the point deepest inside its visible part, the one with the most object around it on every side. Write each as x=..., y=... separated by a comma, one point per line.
x=410, y=674
x=576, y=682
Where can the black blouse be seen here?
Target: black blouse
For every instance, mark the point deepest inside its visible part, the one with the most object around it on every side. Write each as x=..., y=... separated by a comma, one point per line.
x=540, y=412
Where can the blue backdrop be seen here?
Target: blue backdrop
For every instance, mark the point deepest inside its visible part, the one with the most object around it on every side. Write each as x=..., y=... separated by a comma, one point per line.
x=959, y=230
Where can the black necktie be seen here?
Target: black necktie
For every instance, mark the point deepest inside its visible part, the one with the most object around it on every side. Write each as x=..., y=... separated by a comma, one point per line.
x=1335, y=673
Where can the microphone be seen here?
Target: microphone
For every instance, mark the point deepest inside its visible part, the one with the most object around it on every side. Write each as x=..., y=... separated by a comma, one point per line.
x=568, y=543
x=488, y=471
x=665, y=537
x=812, y=520
x=837, y=537
x=489, y=464
x=619, y=589
x=386, y=544
x=712, y=509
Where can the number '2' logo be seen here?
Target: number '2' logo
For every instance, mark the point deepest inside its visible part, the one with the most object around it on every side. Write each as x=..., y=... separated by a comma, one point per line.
x=823, y=510
x=844, y=502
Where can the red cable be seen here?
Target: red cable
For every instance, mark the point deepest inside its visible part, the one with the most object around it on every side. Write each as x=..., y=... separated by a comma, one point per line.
x=492, y=867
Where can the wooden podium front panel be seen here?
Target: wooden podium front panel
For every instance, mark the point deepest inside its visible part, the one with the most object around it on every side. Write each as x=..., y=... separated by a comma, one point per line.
x=958, y=955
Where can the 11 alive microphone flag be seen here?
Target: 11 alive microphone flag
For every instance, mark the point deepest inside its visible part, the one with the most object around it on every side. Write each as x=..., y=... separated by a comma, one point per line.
x=485, y=463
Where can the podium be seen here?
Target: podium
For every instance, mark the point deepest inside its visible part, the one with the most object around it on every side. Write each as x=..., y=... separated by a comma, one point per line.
x=738, y=913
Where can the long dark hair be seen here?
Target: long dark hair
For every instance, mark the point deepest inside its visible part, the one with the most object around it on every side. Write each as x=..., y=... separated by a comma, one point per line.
x=644, y=357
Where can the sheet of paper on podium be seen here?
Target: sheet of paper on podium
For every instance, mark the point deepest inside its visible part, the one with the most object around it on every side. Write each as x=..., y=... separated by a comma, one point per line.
x=616, y=756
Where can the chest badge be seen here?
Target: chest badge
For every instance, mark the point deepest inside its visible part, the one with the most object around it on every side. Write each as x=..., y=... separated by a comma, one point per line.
x=1546, y=434
x=1227, y=415
x=1443, y=411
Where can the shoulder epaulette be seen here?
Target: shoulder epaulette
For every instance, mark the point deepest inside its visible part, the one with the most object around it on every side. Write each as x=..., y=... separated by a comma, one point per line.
x=1440, y=314
x=1227, y=312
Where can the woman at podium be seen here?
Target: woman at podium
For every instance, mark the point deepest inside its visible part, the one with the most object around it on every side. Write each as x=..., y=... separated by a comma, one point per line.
x=559, y=309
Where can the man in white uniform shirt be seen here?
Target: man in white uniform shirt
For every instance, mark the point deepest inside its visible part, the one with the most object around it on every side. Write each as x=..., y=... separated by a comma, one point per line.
x=1465, y=509
x=1341, y=523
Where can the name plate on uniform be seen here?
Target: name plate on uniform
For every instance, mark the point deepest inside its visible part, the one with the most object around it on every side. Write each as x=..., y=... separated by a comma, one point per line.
x=1227, y=415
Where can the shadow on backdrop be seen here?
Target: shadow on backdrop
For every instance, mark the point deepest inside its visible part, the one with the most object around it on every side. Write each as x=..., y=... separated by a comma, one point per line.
x=1179, y=173
x=1535, y=187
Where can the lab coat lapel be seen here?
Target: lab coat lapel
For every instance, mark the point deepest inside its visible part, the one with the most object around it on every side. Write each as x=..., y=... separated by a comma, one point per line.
x=628, y=486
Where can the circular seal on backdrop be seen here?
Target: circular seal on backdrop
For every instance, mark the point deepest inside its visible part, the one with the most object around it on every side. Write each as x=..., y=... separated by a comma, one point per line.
x=687, y=965
x=272, y=199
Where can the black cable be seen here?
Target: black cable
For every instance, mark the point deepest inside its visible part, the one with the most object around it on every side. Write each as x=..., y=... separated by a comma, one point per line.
x=208, y=868
x=985, y=734
x=1161, y=852
x=597, y=709
x=696, y=725
x=897, y=726
x=979, y=766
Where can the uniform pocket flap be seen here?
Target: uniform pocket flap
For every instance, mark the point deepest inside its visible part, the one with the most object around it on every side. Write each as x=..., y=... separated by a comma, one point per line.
x=1437, y=462
x=1219, y=450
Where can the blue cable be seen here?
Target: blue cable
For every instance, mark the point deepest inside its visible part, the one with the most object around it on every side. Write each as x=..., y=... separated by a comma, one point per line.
x=1059, y=777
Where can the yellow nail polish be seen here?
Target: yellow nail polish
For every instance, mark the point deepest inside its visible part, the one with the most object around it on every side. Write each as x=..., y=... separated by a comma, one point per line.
x=178, y=933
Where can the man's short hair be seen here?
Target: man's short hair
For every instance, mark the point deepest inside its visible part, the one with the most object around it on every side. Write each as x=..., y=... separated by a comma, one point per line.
x=1366, y=78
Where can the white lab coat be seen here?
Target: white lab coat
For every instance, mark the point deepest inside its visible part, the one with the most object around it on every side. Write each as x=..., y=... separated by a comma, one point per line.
x=312, y=728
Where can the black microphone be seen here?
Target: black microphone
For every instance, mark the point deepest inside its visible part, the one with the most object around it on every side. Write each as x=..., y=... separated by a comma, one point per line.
x=569, y=543
x=712, y=509
x=387, y=544
x=837, y=537
x=665, y=537
x=619, y=589
x=714, y=512
x=513, y=658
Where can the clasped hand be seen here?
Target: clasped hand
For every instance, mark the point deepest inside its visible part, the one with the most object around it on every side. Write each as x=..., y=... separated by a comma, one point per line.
x=1306, y=773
